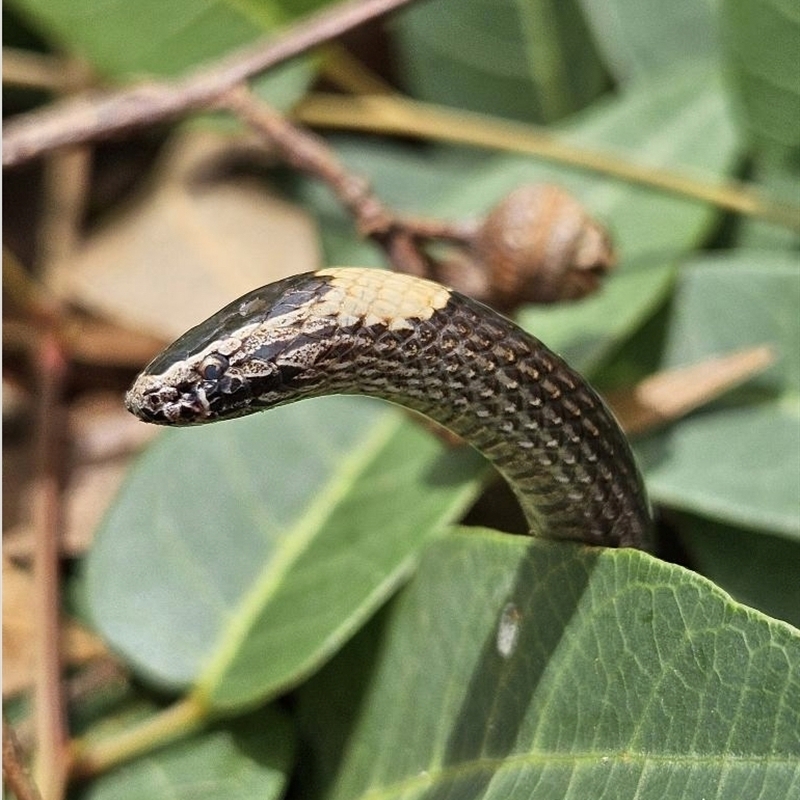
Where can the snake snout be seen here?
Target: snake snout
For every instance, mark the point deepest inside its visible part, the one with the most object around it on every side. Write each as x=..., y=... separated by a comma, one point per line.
x=162, y=405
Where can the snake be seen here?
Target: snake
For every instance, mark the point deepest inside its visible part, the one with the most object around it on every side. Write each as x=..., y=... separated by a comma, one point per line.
x=418, y=344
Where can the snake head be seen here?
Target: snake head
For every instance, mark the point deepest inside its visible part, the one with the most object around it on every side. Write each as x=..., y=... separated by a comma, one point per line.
x=291, y=339
x=256, y=353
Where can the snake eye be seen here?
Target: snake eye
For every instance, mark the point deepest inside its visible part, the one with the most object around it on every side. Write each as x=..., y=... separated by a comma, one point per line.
x=213, y=367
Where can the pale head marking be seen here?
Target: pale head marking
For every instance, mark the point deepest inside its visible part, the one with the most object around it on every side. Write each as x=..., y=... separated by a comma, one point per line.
x=377, y=297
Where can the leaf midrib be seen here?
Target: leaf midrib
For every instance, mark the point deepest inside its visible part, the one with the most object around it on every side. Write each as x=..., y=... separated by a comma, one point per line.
x=297, y=540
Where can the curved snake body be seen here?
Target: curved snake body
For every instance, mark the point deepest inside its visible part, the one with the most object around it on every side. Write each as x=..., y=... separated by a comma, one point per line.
x=415, y=343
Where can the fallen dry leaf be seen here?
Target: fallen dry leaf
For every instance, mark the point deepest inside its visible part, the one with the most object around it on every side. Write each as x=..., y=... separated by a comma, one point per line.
x=673, y=393
x=189, y=245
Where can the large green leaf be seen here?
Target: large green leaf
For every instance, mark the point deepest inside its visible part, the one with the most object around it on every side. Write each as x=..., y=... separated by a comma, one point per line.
x=238, y=557
x=514, y=668
x=152, y=37
x=640, y=39
x=242, y=760
x=527, y=59
x=762, y=39
x=740, y=460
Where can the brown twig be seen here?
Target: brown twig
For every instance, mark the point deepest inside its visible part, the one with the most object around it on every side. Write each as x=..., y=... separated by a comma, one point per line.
x=15, y=776
x=98, y=116
x=51, y=732
x=308, y=152
x=401, y=237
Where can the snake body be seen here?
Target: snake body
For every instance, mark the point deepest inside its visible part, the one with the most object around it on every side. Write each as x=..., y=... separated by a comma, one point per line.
x=418, y=344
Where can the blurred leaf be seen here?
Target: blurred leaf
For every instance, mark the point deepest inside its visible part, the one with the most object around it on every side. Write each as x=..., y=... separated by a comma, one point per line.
x=552, y=670
x=779, y=179
x=252, y=550
x=242, y=760
x=122, y=40
x=527, y=59
x=760, y=570
x=739, y=460
x=762, y=42
x=642, y=38
x=150, y=37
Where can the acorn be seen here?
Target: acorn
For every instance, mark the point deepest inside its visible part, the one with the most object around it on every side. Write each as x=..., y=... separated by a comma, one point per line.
x=539, y=245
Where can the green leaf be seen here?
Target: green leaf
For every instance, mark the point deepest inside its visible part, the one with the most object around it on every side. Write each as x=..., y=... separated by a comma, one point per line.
x=762, y=42
x=515, y=668
x=239, y=557
x=527, y=59
x=760, y=570
x=738, y=461
x=149, y=37
x=242, y=760
x=640, y=39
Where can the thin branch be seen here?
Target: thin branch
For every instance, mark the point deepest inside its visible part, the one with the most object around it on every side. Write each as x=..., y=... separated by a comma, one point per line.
x=308, y=152
x=403, y=117
x=304, y=150
x=98, y=116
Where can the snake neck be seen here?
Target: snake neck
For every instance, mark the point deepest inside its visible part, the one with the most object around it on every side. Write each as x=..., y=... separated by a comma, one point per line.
x=500, y=389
